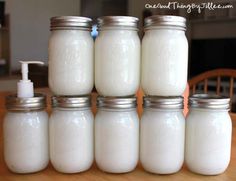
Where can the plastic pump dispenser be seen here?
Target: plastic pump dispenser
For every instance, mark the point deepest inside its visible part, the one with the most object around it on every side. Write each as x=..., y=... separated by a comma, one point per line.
x=25, y=88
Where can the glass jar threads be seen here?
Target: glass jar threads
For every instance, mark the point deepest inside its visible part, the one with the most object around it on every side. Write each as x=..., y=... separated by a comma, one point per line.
x=162, y=133
x=71, y=134
x=208, y=134
x=164, y=56
x=116, y=134
x=71, y=50
x=25, y=134
x=117, y=56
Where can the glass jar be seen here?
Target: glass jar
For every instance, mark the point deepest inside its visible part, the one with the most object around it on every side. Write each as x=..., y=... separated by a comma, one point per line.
x=208, y=134
x=117, y=56
x=162, y=133
x=164, y=56
x=116, y=134
x=71, y=134
x=70, y=54
x=25, y=134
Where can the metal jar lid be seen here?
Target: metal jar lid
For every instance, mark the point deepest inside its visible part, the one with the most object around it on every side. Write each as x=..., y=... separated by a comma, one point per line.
x=70, y=22
x=159, y=102
x=207, y=101
x=117, y=102
x=71, y=102
x=123, y=21
x=160, y=20
x=14, y=103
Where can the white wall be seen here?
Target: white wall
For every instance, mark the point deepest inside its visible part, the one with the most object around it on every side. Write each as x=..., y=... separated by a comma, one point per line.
x=29, y=26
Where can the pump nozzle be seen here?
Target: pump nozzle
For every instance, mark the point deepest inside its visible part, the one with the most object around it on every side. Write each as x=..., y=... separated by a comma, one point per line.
x=25, y=87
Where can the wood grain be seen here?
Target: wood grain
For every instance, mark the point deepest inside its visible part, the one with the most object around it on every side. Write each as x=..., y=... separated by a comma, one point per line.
x=49, y=174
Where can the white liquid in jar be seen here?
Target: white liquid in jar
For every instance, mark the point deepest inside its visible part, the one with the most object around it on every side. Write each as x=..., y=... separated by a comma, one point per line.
x=116, y=140
x=71, y=139
x=162, y=140
x=164, y=62
x=71, y=62
x=208, y=141
x=26, y=141
x=117, y=62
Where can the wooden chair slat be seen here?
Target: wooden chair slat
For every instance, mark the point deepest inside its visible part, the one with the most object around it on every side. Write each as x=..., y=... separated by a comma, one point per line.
x=231, y=87
x=194, y=89
x=218, y=85
x=205, y=85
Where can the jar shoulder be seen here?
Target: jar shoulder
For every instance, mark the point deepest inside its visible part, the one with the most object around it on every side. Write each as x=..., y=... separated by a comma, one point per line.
x=118, y=36
x=70, y=36
x=21, y=119
x=25, y=115
x=64, y=115
x=152, y=115
x=117, y=116
x=210, y=118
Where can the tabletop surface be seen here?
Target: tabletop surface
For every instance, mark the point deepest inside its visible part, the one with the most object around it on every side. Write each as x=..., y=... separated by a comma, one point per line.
x=94, y=174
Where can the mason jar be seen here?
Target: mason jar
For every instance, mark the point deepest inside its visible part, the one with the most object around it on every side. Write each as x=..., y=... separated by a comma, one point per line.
x=71, y=50
x=25, y=134
x=208, y=134
x=164, y=56
x=116, y=134
x=117, y=56
x=71, y=134
x=162, y=134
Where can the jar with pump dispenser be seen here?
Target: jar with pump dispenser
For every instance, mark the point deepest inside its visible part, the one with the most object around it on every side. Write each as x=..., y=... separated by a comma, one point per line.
x=116, y=134
x=208, y=134
x=71, y=50
x=162, y=133
x=164, y=56
x=25, y=134
x=25, y=127
x=71, y=134
x=117, y=56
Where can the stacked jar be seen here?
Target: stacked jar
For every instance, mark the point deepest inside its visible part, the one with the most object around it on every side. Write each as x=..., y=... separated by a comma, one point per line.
x=208, y=134
x=25, y=132
x=70, y=52
x=25, y=127
x=71, y=80
x=163, y=80
x=117, y=78
x=71, y=134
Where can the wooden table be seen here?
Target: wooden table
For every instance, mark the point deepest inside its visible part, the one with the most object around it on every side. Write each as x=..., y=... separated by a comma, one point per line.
x=94, y=174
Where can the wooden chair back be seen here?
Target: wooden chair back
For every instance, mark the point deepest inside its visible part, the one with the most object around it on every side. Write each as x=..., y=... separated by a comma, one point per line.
x=218, y=74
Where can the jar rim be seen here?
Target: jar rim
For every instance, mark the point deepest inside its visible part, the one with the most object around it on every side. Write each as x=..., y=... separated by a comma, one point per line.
x=70, y=22
x=170, y=27
x=71, y=101
x=114, y=28
x=163, y=102
x=117, y=21
x=14, y=103
x=165, y=20
x=209, y=101
x=116, y=102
